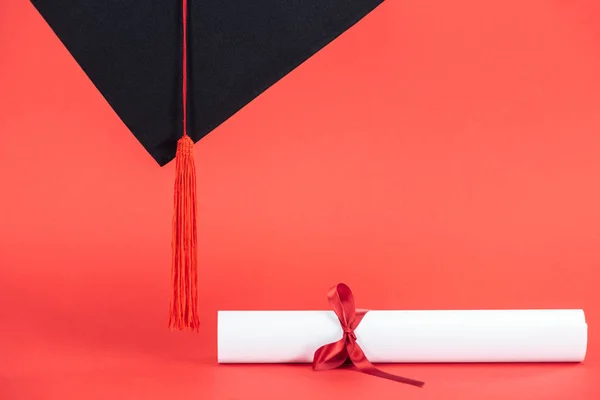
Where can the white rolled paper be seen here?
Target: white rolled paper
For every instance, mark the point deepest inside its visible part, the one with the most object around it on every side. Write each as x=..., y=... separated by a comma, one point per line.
x=407, y=336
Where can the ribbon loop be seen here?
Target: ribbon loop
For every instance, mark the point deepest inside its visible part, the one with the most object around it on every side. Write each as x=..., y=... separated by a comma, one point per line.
x=333, y=355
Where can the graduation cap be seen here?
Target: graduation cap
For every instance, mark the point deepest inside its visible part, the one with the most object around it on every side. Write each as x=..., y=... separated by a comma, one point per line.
x=174, y=70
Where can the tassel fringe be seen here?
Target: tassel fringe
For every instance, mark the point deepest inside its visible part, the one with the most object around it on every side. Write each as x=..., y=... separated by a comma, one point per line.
x=184, y=269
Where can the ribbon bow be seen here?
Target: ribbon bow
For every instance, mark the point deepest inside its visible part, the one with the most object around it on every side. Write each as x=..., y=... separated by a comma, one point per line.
x=334, y=355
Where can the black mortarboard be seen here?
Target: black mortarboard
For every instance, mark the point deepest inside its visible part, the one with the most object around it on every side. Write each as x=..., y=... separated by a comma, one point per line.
x=134, y=51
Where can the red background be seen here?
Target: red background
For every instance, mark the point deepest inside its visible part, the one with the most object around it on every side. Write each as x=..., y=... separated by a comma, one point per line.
x=438, y=155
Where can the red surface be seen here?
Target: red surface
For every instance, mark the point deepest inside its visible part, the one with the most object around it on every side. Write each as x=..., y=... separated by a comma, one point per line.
x=439, y=155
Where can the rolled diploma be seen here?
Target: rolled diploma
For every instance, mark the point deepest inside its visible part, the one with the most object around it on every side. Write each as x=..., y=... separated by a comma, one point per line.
x=407, y=336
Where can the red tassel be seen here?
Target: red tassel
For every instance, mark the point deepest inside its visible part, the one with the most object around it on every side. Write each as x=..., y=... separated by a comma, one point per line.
x=184, y=271
x=184, y=243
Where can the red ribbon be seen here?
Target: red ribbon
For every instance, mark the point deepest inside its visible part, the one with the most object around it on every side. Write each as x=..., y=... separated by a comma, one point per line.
x=334, y=355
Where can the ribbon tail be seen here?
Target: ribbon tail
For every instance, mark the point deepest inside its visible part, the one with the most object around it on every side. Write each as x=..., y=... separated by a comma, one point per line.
x=386, y=375
x=361, y=362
